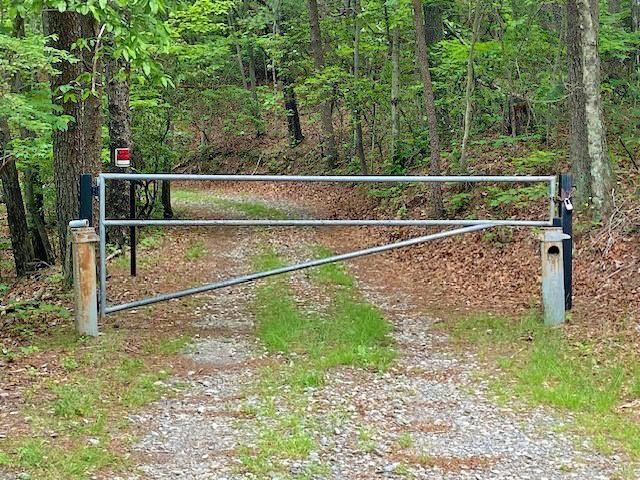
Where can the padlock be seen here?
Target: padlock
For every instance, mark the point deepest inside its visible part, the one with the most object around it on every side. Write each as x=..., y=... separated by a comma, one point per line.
x=568, y=206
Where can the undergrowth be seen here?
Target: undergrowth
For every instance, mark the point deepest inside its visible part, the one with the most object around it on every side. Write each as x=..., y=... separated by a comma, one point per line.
x=543, y=367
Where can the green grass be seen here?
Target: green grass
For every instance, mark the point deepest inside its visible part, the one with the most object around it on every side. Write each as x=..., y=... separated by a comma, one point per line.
x=332, y=273
x=101, y=383
x=351, y=332
x=248, y=208
x=542, y=367
x=195, y=251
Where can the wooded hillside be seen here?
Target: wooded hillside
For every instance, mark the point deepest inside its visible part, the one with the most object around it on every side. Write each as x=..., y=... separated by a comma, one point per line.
x=359, y=86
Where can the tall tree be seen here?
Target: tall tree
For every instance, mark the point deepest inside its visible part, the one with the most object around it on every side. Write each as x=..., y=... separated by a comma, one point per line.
x=422, y=57
x=395, y=90
x=578, y=153
x=23, y=254
x=357, y=118
x=601, y=175
x=466, y=128
x=595, y=166
x=294, y=126
x=329, y=148
x=16, y=216
x=76, y=150
x=117, y=82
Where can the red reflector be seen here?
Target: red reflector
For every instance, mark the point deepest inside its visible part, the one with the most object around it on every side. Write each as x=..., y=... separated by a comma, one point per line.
x=123, y=154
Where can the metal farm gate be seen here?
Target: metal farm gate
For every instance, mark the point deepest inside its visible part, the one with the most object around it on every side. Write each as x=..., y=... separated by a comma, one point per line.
x=562, y=218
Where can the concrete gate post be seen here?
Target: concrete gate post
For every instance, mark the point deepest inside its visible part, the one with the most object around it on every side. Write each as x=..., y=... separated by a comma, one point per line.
x=553, y=276
x=84, y=240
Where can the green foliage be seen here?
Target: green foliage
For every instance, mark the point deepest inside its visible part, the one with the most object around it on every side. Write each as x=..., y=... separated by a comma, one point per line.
x=499, y=197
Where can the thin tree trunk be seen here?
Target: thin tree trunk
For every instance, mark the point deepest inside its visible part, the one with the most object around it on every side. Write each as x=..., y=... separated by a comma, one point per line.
x=329, y=148
x=357, y=118
x=76, y=150
x=435, y=200
x=16, y=216
x=470, y=87
x=601, y=175
x=253, y=85
x=165, y=195
x=32, y=185
x=291, y=108
x=635, y=21
x=294, y=126
x=34, y=201
x=395, y=91
x=578, y=154
x=117, y=76
x=240, y=63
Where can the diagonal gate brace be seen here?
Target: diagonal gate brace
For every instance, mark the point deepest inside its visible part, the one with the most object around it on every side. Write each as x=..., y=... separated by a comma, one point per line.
x=292, y=268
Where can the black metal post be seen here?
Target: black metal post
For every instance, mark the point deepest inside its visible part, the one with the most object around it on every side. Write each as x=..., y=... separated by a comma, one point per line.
x=566, y=220
x=132, y=230
x=86, y=197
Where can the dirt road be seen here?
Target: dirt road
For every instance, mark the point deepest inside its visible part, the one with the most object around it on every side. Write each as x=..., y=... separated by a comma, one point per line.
x=430, y=415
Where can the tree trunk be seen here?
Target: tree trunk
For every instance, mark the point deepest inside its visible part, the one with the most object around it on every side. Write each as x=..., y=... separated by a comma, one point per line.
x=635, y=21
x=600, y=165
x=294, y=127
x=291, y=108
x=435, y=200
x=578, y=154
x=253, y=85
x=464, y=168
x=357, y=118
x=15, y=204
x=16, y=216
x=240, y=63
x=34, y=200
x=395, y=91
x=434, y=28
x=165, y=195
x=76, y=150
x=329, y=148
x=117, y=76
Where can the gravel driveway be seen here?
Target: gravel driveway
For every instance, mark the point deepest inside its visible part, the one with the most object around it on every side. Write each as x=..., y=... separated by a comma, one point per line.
x=430, y=416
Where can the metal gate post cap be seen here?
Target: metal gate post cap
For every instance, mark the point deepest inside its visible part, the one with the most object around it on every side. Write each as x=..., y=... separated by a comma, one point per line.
x=84, y=235
x=553, y=234
x=78, y=223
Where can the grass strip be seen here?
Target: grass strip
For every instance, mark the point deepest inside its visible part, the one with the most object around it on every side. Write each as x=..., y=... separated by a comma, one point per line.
x=249, y=208
x=351, y=332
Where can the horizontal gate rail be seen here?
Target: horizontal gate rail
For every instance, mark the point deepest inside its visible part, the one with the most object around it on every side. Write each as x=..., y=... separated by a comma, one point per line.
x=470, y=225
x=331, y=178
x=293, y=268
x=320, y=223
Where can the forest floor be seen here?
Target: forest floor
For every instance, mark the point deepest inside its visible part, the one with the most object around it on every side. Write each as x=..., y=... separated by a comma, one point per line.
x=339, y=372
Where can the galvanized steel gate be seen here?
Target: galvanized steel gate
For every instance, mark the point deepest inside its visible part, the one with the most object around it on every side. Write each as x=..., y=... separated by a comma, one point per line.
x=465, y=226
